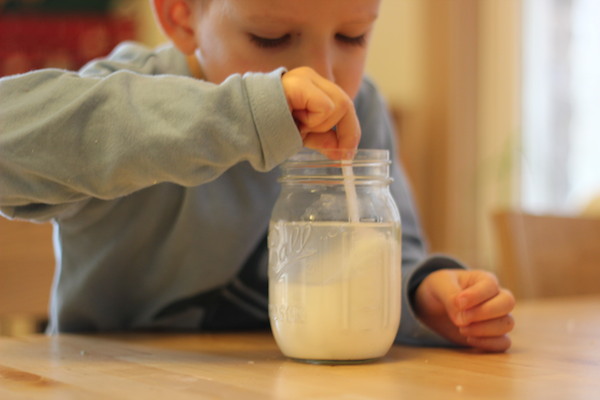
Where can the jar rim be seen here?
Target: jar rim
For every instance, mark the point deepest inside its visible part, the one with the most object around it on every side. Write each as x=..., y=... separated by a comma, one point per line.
x=361, y=156
x=370, y=166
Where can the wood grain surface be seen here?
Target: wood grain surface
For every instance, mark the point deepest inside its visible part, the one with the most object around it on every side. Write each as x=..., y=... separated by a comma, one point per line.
x=555, y=355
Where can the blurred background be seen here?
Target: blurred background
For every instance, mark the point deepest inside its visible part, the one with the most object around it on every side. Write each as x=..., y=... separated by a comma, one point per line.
x=494, y=100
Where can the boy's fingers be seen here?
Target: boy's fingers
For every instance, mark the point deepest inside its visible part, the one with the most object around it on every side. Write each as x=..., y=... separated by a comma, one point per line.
x=299, y=117
x=477, y=287
x=490, y=328
x=470, y=296
x=348, y=131
x=497, y=307
x=320, y=113
x=309, y=97
x=318, y=105
x=315, y=110
x=341, y=114
x=321, y=140
x=491, y=344
x=443, y=286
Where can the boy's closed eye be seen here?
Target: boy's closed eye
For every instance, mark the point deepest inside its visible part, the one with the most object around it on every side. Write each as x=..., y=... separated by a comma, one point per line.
x=281, y=41
x=359, y=40
x=266, y=42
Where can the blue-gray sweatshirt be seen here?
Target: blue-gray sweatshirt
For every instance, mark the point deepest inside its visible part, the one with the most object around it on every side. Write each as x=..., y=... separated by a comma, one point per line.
x=160, y=188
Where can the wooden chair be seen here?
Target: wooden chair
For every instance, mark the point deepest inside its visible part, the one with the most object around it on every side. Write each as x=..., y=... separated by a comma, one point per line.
x=545, y=256
x=26, y=270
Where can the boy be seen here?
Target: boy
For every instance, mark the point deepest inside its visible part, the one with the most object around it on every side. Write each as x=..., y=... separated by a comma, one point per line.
x=157, y=169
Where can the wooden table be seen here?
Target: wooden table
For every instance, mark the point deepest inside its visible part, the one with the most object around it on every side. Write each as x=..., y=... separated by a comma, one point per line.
x=555, y=355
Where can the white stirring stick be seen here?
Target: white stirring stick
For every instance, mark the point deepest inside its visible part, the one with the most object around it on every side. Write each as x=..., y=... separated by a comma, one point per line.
x=350, y=187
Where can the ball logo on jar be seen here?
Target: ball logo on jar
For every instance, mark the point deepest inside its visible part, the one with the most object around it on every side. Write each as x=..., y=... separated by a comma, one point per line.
x=288, y=246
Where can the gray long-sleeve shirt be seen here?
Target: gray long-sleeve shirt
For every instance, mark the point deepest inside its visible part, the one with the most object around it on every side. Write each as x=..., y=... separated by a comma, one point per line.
x=160, y=186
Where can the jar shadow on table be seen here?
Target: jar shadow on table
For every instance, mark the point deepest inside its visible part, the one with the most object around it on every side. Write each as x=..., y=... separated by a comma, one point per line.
x=234, y=347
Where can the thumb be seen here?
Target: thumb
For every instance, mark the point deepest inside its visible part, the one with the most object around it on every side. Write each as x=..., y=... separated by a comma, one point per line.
x=439, y=294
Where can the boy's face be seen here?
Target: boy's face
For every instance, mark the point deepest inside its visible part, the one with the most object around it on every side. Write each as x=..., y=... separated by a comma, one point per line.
x=331, y=36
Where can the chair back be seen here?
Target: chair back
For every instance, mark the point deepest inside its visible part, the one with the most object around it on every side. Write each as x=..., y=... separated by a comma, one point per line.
x=548, y=255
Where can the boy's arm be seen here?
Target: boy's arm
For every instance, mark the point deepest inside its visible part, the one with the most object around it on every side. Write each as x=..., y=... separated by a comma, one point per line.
x=65, y=137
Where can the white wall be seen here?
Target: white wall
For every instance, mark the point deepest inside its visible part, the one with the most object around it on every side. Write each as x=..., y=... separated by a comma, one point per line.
x=397, y=55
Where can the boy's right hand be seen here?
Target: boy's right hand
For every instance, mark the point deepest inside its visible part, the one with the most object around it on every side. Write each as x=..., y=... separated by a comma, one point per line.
x=324, y=113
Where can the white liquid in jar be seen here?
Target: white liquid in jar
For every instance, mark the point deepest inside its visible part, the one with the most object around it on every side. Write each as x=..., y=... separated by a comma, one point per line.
x=334, y=289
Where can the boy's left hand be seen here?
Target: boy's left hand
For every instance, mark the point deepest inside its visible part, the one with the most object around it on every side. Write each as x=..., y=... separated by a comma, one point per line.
x=467, y=307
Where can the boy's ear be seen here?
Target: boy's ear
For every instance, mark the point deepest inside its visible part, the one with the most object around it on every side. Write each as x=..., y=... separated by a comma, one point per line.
x=175, y=18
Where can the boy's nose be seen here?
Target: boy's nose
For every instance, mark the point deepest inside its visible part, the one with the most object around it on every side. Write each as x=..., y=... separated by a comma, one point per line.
x=324, y=69
x=321, y=60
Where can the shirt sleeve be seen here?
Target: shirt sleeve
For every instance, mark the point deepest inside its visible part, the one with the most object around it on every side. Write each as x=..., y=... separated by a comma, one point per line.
x=125, y=123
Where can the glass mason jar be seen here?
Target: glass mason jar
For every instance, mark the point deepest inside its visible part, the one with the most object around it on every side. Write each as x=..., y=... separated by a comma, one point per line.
x=335, y=259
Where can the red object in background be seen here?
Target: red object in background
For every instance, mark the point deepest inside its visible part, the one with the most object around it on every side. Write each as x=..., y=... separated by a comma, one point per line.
x=65, y=41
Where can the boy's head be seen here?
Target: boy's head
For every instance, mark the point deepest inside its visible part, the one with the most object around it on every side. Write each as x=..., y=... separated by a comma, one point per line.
x=237, y=36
